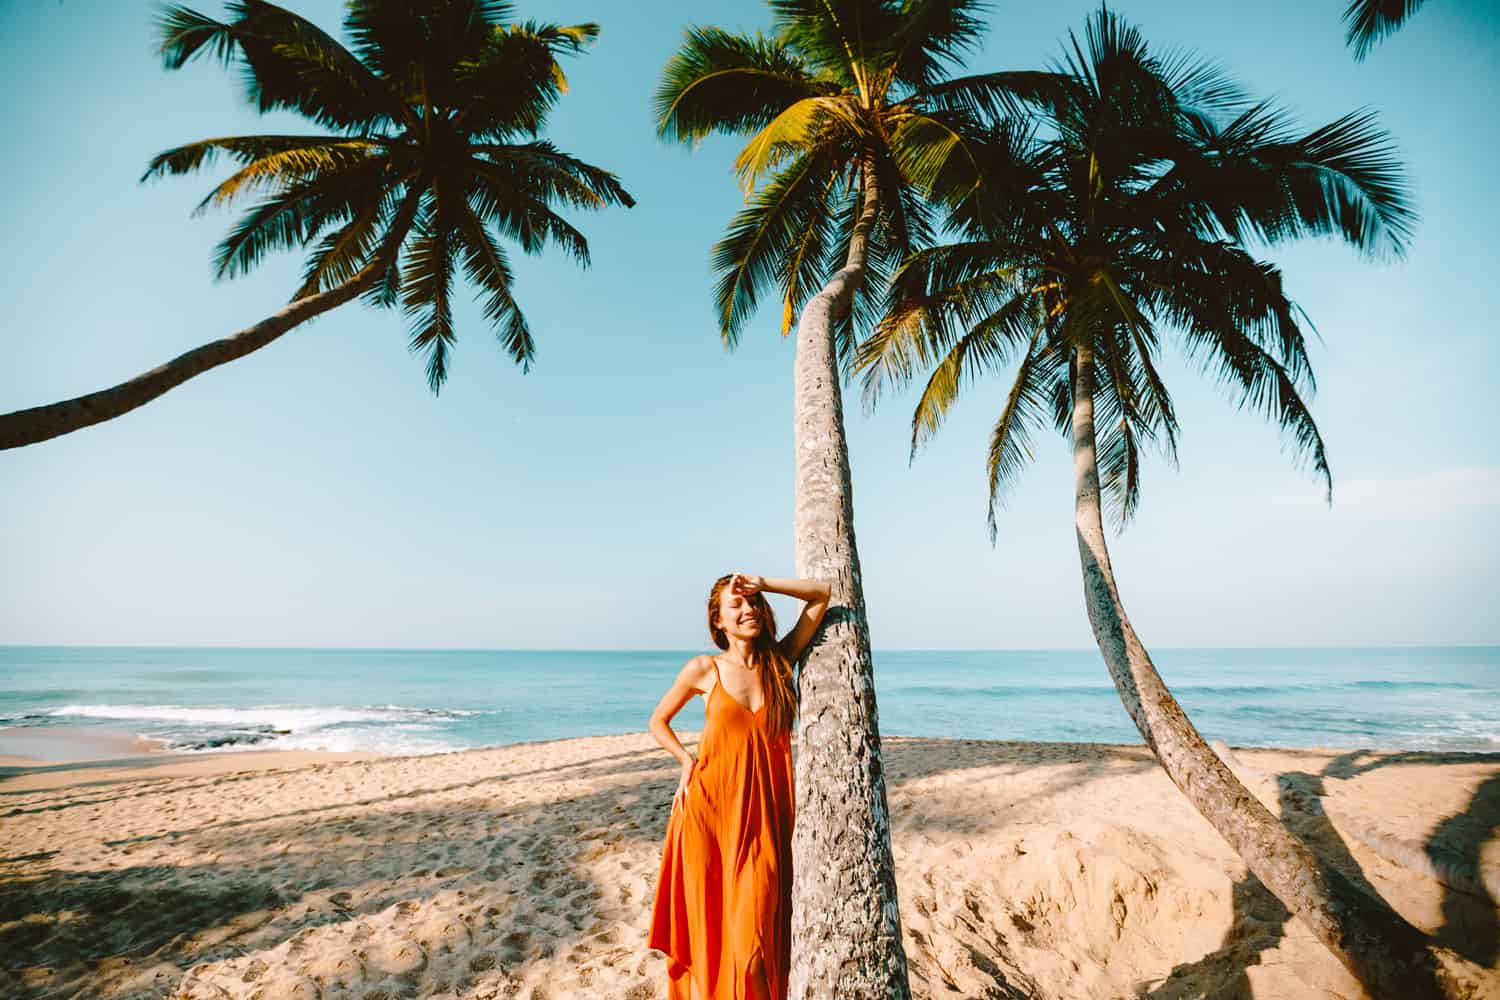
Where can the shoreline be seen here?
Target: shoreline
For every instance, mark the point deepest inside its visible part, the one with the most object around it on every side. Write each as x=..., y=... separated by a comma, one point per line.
x=63, y=756
x=1059, y=870
x=114, y=745
x=123, y=756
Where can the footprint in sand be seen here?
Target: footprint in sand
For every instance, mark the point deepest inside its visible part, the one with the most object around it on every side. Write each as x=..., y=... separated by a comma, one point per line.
x=403, y=958
x=445, y=934
x=581, y=900
x=513, y=946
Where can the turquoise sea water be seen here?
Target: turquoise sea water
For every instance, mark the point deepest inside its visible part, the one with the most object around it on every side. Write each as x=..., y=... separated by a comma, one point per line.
x=416, y=701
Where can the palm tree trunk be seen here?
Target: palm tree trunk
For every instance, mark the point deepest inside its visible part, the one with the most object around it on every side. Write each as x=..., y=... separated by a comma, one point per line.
x=846, y=925
x=1387, y=954
x=39, y=423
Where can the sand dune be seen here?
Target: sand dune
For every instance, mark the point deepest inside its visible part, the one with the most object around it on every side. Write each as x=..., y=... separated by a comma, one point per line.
x=1046, y=870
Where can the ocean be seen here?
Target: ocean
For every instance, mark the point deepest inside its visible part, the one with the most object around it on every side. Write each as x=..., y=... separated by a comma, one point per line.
x=422, y=701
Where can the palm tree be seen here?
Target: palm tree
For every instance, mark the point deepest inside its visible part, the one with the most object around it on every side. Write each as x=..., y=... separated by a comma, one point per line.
x=1121, y=205
x=841, y=102
x=1370, y=21
x=430, y=146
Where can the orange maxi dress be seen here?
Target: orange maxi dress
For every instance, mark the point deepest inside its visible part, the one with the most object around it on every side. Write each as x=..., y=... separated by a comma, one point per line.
x=725, y=888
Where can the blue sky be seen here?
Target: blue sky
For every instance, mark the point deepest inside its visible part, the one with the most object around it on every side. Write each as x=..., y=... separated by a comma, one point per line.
x=316, y=493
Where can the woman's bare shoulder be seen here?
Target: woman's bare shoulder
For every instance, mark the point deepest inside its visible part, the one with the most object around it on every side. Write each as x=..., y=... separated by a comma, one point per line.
x=699, y=673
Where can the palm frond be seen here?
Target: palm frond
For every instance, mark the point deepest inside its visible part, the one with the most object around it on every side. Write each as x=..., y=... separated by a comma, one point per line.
x=427, y=291
x=847, y=40
x=1211, y=282
x=1257, y=179
x=1155, y=402
x=933, y=36
x=1015, y=199
x=932, y=146
x=722, y=82
x=1344, y=177
x=1117, y=412
x=811, y=124
x=341, y=254
x=293, y=64
x=806, y=258
x=244, y=148
x=284, y=169
x=510, y=84
x=502, y=198
x=1369, y=21
x=552, y=174
x=185, y=33
x=995, y=97
x=1222, y=346
x=486, y=266
x=293, y=217
x=920, y=328
x=1010, y=446
x=1202, y=89
x=752, y=253
x=986, y=347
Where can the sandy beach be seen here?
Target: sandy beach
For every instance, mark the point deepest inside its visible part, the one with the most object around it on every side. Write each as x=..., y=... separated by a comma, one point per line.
x=1025, y=869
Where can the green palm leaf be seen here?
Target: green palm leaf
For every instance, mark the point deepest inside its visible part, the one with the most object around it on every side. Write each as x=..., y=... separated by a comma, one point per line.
x=722, y=82
x=986, y=347
x=427, y=292
x=487, y=267
x=765, y=236
x=1010, y=444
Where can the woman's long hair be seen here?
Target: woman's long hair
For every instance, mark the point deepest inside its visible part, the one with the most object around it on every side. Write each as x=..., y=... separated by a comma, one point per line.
x=777, y=684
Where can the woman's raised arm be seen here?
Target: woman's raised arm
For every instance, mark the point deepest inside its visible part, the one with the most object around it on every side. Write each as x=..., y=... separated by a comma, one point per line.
x=817, y=594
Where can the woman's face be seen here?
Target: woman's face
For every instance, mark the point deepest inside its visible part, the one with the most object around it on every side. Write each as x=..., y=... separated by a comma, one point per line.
x=738, y=616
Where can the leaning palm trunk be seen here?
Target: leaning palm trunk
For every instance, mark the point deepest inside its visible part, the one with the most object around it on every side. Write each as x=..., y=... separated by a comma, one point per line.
x=846, y=925
x=1387, y=954
x=40, y=423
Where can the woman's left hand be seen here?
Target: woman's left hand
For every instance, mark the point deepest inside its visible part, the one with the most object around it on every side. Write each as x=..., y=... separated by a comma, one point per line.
x=747, y=584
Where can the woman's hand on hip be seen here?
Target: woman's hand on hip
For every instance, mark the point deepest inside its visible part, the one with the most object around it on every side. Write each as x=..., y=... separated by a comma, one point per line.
x=679, y=798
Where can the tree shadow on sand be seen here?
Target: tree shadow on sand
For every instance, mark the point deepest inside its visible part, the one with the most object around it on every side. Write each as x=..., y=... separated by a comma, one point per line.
x=1260, y=918
x=1453, y=848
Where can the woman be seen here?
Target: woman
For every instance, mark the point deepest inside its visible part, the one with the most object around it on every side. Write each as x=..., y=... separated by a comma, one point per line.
x=723, y=904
